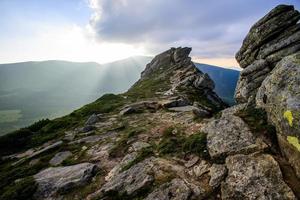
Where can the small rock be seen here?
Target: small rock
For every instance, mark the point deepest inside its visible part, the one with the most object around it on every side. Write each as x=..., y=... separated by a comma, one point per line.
x=127, y=111
x=192, y=162
x=198, y=112
x=34, y=162
x=217, y=174
x=70, y=135
x=92, y=120
x=199, y=169
x=86, y=128
x=137, y=146
x=177, y=189
x=60, y=157
x=182, y=108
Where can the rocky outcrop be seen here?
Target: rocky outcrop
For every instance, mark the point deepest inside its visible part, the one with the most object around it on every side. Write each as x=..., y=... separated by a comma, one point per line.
x=254, y=177
x=279, y=95
x=175, y=66
x=58, y=180
x=269, y=40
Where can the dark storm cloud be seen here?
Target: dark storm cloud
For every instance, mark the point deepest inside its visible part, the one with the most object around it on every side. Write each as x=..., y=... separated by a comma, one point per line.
x=214, y=28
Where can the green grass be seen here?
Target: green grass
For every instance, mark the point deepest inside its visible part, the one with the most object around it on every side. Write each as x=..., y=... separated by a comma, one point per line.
x=121, y=146
x=158, y=81
x=7, y=116
x=21, y=190
x=178, y=143
x=45, y=130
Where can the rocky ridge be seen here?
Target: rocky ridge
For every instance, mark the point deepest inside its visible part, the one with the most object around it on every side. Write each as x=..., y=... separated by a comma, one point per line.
x=170, y=137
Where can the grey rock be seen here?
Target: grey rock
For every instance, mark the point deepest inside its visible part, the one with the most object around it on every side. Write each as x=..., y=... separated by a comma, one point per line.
x=181, y=53
x=183, y=108
x=250, y=80
x=59, y=180
x=88, y=139
x=254, y=177
x=192, y=162
x=60, y=157
x=279, y=95
x=199, y=112
x=269, y=27
x=176, y=189
x=92, y=120
x=137, y=146
x=217, y=174
x=131, y=181
x=86, y=128
x=230, y=135
x=118, y=168
x=269, y=40
x=70, y=135
x=199, y=169
x=36, y=153
x=139, y=107
x=175, y=102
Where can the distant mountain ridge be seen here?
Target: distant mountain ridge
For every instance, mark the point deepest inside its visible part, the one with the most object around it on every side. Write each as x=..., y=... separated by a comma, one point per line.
x=33, y=90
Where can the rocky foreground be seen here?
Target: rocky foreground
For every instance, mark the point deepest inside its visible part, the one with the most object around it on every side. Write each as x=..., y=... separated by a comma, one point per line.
x=170, y=136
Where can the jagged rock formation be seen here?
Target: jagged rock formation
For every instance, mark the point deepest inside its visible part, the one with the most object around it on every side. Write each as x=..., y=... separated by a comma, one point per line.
x=269, y=40
x=176, y=68
x=270, y=79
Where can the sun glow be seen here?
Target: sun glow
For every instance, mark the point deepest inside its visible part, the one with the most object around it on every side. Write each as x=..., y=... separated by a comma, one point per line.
x=71, y=43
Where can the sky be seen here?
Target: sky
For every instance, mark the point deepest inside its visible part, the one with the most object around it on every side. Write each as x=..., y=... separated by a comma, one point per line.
x=107, y=30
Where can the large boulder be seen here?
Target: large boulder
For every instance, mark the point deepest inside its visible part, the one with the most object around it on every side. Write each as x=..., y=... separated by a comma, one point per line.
x=269, y=40
x=230, y=135
x=279, y=95
x=57, y=180
x=254, y=177
x=129, y=182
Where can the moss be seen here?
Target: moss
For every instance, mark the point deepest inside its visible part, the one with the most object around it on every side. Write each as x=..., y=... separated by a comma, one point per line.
x=121, y=146
x=289, y=117
x=257, y=121
x=20, y=190
x=171, y=141
x=294, y=141
x=175, y=142
x=196, y=144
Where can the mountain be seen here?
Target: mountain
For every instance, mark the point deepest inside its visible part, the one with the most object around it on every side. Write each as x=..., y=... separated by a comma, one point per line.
x=31, y=91
x=170, y=136
x=225, y=80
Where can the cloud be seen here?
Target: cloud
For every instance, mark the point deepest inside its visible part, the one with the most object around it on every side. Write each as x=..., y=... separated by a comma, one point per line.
x=213, y=28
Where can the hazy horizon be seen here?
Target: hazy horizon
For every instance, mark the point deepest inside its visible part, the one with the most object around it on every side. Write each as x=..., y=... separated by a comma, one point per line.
x=104, y=31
